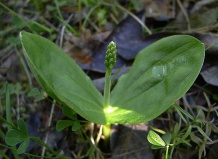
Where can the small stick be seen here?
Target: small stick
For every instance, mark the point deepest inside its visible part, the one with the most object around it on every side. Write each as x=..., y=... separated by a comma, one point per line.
x=185, y=14
x=49, y=124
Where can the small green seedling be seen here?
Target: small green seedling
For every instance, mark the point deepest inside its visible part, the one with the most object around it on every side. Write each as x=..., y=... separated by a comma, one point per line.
x=19, y=135
x=159, y=142
x=161, y=73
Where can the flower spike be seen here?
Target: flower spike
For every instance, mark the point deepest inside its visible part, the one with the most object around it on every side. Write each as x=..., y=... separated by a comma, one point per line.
x=110, y=58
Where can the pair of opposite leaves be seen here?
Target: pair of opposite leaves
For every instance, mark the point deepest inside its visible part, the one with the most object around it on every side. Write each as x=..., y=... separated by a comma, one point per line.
x=161, y=73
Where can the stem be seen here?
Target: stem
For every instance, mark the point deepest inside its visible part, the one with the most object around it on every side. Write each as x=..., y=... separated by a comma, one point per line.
x=107, y=88
x=8, y=107
x=9, y=118
x=110, y=61
x=167, y=150
x=106, y=127
x=25, y=68
x=58, y=9
x=40, y=142
x=107, y=133
x=171, y=151
x=185, y=14
x=49, y=124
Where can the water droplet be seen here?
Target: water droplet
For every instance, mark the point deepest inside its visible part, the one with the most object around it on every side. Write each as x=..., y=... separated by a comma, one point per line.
x=159, y=71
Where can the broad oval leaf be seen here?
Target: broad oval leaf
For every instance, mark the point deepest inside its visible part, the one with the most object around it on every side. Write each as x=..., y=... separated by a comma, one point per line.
x=155, y=139
x=161, y=73
x=62, y=78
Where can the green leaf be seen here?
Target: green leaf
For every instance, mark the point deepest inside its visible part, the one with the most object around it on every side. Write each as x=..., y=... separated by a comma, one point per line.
x=13, y=40
x=62, y=124
x=76, y=126
x=179, y=109
x=155, y=139
x=12, y=88
x=202, y=132
x=13, y=137
x=161, y=74
x=38, y=95
x=62, y=78
x=18, y=88
x=33, y=92
x=167, y=138
x=23, y=146
x=185, y=135
x=22, y=126
x=19, y=23
x=195, y=138
x=177, y=127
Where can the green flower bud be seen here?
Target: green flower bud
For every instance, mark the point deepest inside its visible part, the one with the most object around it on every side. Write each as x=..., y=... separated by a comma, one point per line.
x=110, y=58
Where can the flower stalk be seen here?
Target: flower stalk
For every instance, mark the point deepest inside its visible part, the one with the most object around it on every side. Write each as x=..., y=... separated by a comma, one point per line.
x=110, y=61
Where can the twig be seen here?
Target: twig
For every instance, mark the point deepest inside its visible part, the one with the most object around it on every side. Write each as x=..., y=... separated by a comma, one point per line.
x=185, y=14
x=49, y=124
x=99, y=134
x=63, y=29
x=91, y=134
x=135, y=17
x=25, y=68
x=95, y=142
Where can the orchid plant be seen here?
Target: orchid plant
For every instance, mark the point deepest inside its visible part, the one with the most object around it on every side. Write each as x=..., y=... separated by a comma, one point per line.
x=161, y=74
